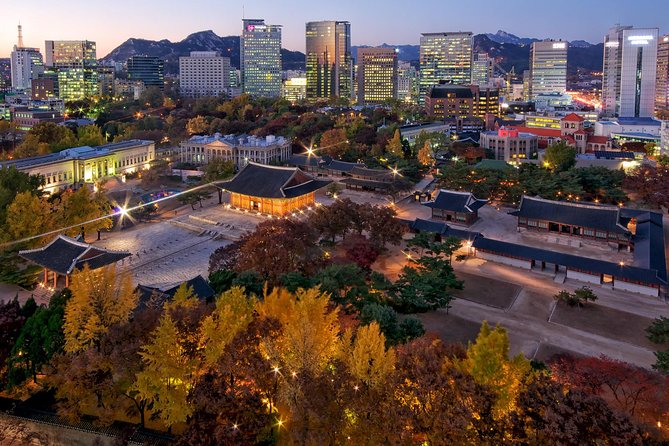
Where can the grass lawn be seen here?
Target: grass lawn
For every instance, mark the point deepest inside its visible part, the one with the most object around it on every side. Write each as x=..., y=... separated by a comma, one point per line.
x=487, y=291
x=607, y=322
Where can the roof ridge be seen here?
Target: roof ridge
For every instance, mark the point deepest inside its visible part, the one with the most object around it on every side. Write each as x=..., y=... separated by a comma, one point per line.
x=585, y=205
x=253, y=163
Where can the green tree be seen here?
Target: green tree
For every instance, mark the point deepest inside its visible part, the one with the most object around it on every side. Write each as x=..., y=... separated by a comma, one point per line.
x=152, y=97
x=423, y=284
x=40, y=339
x=219, y=169
x=578, y=298
x=90, y=135
x=560, y=157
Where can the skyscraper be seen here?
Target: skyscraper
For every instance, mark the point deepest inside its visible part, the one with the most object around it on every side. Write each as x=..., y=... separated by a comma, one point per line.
x=662, y=79
x=482, y=69
x=329, y=61
x=630, y=67
x=26, y=64
x=148, y=69
x=260, y=55
x=377, y=75
x=75, y=64
x=445, y=57
x=204, y=73
x=548, y=68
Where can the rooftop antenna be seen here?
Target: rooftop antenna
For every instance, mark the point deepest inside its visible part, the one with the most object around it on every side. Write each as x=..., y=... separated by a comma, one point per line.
x=20, y=44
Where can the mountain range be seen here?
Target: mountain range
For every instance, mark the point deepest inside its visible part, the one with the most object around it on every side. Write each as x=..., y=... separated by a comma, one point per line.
x=509, y=49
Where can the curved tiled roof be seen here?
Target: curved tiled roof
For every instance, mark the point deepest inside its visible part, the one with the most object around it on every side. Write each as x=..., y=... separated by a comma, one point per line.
x=65, y=254
x=260, y=180
x=463, y=202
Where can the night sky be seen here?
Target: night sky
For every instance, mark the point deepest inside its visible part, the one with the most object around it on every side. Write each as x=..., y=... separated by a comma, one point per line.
x=372, y=21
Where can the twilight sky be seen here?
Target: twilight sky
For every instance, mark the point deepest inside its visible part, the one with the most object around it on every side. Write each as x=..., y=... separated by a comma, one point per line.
x=372, y=21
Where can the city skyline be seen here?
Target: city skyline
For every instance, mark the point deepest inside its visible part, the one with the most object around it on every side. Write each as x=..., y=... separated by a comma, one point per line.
x=370, y=25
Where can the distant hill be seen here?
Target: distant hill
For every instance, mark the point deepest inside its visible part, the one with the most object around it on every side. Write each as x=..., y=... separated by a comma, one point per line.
x=509, y=49
x=200, y=41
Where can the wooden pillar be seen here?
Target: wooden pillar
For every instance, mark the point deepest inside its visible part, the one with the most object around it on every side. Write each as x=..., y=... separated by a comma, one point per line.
x=67, y=280
x=46, y=276
x=55, y=280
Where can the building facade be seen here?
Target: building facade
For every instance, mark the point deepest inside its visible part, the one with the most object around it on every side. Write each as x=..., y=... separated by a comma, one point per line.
x=446, y=101
x=662, y=79
x=329, y=60
x=294, y=89
x=273, y=190
x=260, y=54
x=407, y=83
x=509, y=144
x=456, y=207
x=241, y=150
x=445, y=57
x=204, y=74
x=79, y=165
x=377, y=75
x=482, y=69
x=74, y=63
x=548, y=67
x=630, y=69
x=148, y=69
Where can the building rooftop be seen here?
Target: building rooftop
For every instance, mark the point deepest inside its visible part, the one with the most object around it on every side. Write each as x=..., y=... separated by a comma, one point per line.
x=638, y=121
x=461, y=202
x=260, y=180
x=84, y=152
x=65, y=254
x=602, y=217
x=450, y=90
x=242, y=140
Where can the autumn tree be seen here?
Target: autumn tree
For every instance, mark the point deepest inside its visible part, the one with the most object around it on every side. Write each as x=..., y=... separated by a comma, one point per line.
x=100, y=380
x=78, y=207
x=547, y=413
x=394, y=146
x=90, y=135
x=197, y=125
x=384, y=226
x=100, y=299
x=488, y=362
x=368, y=359
x=219, y=169
x=29, y=215
x=277, y=247
x=12, y=183
x=359, y=250
x=11, y=322
x=425, y=154
x=334, y=143
x=637, y=392
x=233, y=314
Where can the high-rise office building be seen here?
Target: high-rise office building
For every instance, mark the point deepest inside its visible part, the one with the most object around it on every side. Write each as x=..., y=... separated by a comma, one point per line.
x=75, y=64
x=482, y=69
x=377, y=75
x=548, y=67
x=630, y=67
x=204, y=73
x=148, y=69
x=445, y=57
x=260, y=58
x=329, y=61
x=106, y=76
x=662, y=79
x=26, y=64
x=407, y=83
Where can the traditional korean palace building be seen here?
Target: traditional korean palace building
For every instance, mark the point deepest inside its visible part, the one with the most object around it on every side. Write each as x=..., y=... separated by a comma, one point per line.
x=152, y=297
x=63, y=255
x=639, y=230
x=76, y=166
x=323, y=165
x=587, y=221
x=272, y=190
x=457, y=207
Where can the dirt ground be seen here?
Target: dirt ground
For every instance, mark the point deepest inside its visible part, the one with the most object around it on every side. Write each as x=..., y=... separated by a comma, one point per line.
x=487, y=291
